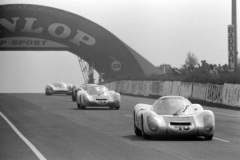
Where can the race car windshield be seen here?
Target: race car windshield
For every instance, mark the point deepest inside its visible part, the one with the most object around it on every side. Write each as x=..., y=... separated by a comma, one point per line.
x=86, y=86
x=97, y=90
x=59, y=85
x=173, y=105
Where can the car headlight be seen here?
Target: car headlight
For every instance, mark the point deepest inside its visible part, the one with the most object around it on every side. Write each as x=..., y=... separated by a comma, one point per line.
x=116, y=99
x=152, y=124
x=208, y=123
x=86, y=99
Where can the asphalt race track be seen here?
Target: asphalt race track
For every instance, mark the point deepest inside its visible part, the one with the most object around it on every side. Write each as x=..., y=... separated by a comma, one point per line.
x=35, y=126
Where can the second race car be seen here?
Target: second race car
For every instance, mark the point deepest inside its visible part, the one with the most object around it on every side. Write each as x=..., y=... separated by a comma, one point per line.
x=98, y=95
x=77, y=88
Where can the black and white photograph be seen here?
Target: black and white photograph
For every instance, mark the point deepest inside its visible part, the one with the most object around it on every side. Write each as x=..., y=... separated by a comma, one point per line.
x=119, y=80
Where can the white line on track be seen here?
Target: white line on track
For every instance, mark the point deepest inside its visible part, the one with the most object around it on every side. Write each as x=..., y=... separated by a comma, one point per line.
x=128, y=115
x=30, y=145
x=220, y=139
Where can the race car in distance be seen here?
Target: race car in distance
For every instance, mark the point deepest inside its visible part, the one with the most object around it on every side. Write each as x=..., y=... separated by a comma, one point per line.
x=173, y=116
x=77, y=88
x=98, y=95
x=58, y=88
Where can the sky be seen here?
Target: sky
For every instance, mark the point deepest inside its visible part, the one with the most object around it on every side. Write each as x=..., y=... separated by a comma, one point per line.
x=162, y=31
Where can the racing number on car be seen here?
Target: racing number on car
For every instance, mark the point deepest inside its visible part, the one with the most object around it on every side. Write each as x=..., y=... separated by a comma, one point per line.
x=116, y=66
x=183, y=127
x=103, y=101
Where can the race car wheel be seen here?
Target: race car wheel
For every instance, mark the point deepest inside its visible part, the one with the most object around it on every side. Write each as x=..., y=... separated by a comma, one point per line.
x=83, y=107
x=78, y=105
x=137, y=131
x=116, y=107
x=145, y=136
x=111, y=107
x=47, y=92
x=73, y=98
x=209, y=137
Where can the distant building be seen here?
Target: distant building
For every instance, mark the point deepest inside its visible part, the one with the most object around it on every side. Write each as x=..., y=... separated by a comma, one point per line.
x=165, y=68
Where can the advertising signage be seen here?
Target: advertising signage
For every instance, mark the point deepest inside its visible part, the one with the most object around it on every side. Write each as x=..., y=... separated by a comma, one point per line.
x=41, y=28
x=231, y=48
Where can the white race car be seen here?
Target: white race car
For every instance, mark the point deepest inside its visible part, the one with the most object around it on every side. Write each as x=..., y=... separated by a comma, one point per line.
x=77, y=88
x=173, y=116
x=58, y=88
x=98, y=95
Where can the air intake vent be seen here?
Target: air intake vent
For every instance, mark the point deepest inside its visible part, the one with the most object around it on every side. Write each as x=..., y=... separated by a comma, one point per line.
x=180, y=123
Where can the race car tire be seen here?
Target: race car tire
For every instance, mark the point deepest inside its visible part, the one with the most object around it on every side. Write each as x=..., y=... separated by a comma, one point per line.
x=73, y=98
x=78, y=105
x=111, y=108
x=137, y=131
x=208, y=137
x=81, y=106
x=114, y=107
x=47, y=92
x=145, y=136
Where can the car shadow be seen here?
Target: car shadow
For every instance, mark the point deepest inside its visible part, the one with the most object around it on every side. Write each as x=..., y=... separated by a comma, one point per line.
x=93, y=108
x=165, y=138
x=59, y=94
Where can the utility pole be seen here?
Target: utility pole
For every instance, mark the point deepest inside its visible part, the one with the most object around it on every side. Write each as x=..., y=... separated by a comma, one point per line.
x=234, y=23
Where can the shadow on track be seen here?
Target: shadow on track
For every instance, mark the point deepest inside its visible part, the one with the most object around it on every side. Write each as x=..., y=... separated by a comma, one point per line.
x=93, y=108
x=164, y=138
